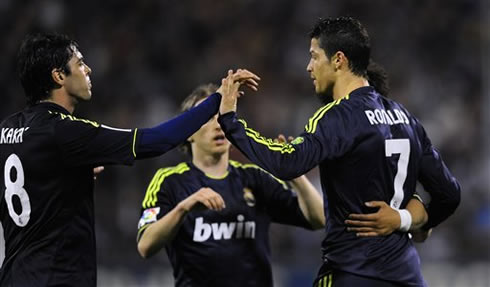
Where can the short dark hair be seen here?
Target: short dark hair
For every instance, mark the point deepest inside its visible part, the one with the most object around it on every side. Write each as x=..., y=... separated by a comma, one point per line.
x=199, y=93
x=38, y=55
x=347, y=35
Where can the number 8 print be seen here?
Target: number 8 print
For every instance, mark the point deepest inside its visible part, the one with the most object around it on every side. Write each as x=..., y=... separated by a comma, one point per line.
x=16, y=188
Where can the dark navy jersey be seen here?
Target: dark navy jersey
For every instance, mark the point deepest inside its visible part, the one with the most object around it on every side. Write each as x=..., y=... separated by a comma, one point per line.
x=368, y=148
x=228, y=247
x=46, y=194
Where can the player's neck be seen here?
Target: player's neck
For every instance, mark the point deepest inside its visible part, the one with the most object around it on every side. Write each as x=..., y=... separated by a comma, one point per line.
x=61, y=99
x=214, y=165
x=348, y=83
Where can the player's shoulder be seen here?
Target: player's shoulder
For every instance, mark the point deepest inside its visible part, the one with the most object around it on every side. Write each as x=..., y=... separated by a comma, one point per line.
x=336, y=108
x=171, y=173
x=245, y=167
x=165, y=179
x=405, y=113
x=250, y=169
x=66, y=118
x=11, y=119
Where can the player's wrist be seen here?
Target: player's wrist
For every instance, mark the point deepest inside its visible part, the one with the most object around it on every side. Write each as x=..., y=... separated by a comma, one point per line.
x=405, y=220
x=183, y=208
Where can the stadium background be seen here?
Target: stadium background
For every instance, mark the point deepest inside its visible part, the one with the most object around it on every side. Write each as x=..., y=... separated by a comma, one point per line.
x=146, y=56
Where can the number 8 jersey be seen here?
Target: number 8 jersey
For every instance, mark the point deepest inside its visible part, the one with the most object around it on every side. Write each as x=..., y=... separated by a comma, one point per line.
x=368, y=148
x=47, y=156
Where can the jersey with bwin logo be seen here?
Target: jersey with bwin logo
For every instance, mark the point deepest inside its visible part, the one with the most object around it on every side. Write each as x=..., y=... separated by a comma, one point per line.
x=211, y=246
x=223, y=230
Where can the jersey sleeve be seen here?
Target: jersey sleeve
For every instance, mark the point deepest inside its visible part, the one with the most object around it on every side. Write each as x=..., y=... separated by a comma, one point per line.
x=158, y=201
x=326, y=136
x=438, y=181
x=83, y=142
x=281, y=202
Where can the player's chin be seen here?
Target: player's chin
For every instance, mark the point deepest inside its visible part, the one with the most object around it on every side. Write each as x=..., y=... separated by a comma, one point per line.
x=87, y=95
x=221, y=148
x=318, y=88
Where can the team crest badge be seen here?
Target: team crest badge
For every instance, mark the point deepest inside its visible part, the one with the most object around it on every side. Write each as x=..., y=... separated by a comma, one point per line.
x=249, y=197
x=149, y=216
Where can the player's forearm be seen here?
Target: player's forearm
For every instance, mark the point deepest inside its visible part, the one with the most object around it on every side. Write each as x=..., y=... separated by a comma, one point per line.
x=158, y=140
x=161, y=232
x=280, y=159
x=310, y=201
x=418, y=213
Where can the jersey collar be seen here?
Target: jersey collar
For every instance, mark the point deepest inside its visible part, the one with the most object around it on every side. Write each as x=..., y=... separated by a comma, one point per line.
x=52, y=107
x=363, y=91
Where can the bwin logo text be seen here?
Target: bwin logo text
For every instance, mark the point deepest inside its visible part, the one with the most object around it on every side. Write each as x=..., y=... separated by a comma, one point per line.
x=223, y=230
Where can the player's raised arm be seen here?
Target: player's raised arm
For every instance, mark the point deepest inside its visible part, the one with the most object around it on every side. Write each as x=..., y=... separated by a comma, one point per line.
x=159, y=139
x=326, y=136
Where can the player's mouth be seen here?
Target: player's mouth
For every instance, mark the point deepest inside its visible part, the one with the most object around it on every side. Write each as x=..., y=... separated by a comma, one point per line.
x=313, y=78
x=219, y=139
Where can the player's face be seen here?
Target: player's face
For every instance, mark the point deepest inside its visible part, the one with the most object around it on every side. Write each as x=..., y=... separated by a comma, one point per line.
x=320, y=68
x=77, y=83
x=210, y=138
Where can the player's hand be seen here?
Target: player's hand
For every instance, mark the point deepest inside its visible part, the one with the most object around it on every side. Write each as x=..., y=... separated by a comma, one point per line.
x=282, y=139
x=245, y=77
x=384, y=222
x=229, y=88
x=97, y=171
x=204, y=198
x=420, y=235
x=229, y=93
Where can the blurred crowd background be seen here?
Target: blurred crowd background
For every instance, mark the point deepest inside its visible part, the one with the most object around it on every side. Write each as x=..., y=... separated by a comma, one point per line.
x=148, y=55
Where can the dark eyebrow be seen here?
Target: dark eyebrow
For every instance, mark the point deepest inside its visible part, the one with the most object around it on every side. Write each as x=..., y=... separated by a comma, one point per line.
x=80, y=60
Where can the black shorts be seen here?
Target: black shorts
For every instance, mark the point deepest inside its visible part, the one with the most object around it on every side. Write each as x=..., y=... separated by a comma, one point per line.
x=328, y=277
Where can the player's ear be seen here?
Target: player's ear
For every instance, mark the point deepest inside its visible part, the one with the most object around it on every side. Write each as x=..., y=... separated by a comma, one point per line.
x=58, y=76
x=339, y=60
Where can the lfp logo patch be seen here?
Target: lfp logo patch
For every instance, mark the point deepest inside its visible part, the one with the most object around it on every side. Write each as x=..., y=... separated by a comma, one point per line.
x=149, y=216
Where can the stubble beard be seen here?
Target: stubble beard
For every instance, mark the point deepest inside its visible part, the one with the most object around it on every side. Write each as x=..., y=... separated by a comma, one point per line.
x=326, y=96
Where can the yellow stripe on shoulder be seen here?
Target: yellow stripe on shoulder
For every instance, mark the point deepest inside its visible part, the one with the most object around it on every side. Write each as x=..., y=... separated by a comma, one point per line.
x=73, y=118
x=269, y=143
x=157, y=181
x=251, y=165
x=313, y=121
x=238, y=164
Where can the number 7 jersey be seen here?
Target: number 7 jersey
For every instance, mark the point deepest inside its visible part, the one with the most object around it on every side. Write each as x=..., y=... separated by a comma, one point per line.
x=367, y=148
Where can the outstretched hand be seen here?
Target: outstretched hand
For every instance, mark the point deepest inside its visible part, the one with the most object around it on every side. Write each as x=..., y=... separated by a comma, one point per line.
x=230, y=85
